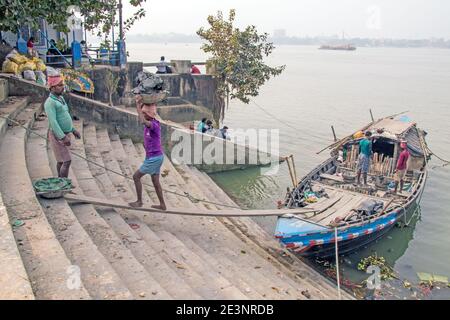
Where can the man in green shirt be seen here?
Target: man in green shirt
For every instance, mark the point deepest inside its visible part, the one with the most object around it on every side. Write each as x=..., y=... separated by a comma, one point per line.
x=60, y=125
x=365, y=152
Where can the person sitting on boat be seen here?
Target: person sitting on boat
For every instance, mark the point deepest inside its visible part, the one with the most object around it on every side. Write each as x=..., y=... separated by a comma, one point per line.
x=365, y=152
x=402, y=163
x=202, y=126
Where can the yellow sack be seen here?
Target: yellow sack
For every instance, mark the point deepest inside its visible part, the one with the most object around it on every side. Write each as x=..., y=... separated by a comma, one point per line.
x=10, y=67
x=40, y=66
x=28, y=66
x=358, y=135
x=18, y=58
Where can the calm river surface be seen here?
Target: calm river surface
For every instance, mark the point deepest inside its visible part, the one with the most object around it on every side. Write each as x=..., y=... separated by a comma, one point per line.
x=323, y=88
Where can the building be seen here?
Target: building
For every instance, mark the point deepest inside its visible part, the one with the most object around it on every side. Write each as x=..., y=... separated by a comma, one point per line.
x=42, y=37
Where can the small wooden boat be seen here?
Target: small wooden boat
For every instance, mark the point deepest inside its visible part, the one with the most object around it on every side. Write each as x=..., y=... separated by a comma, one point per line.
x=360, y=214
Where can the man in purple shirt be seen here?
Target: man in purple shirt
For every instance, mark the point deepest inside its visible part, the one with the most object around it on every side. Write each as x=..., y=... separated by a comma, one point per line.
x=154, y=155
x=400, y=169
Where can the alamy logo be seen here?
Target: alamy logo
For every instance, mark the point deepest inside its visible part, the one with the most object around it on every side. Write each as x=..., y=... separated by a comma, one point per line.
x=374, y=281
x=245, y=147
x=74, y=277
x=74, y=21
x=374, y=19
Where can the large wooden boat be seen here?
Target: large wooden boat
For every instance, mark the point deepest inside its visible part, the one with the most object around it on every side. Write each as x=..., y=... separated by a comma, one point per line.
x=359, y=214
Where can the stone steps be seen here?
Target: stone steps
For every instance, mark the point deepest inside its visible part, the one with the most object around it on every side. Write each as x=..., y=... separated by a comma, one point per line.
x=99, y=278
x=212, y=227
x=111, y=231
x=207, y=283
x=43, y=257
x=127, y=254
x=14, y=280
x=283, y=258
x=244, y=255
x=121, y=191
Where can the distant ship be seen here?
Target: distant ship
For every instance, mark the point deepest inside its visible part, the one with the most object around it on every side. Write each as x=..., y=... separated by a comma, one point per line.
x=345, y=47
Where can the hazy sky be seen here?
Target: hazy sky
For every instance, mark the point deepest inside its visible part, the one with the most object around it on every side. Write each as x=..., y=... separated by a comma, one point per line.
x=358, y=18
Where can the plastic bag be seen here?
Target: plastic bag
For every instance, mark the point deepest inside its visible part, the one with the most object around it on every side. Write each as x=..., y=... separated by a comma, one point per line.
x=40, y=78
x=30, y=65
x=10, y=67
x=17, y=58
x=29, y=75
x=52, y=72
x=40, y=66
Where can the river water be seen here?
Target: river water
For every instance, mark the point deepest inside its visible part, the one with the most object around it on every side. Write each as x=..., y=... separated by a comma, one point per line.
x=323, y=88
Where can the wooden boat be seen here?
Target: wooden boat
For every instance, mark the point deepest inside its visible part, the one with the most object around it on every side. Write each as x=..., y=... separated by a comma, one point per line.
x=359, y=214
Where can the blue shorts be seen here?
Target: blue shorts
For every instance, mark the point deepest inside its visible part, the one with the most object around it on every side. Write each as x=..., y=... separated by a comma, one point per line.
x=152, y=165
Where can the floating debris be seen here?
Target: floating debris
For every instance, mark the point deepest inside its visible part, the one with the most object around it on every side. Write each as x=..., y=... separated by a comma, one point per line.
x=386, y=272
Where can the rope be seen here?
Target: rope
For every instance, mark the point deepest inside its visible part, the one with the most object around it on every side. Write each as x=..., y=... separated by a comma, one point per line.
x=186, y=195
x=337, y=262
x=286, y=123
x=445, y=162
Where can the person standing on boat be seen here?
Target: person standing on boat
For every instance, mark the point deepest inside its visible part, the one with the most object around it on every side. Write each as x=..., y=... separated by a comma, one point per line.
x=60, y=125
x=154, y=155
x=365, y=152
x=402, y=164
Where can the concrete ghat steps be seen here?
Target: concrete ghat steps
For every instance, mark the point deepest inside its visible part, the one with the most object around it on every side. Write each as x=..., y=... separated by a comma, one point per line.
x=207, y=282
x=14, y=281
x=99, y=278
x=251, y=230
x=312, y=287
x=175, y=285
x=144, y=253
x=112, y=232
x=240, y=253
x=10, y=108
x=43, y=257
x=213, y=237
x=283, y=258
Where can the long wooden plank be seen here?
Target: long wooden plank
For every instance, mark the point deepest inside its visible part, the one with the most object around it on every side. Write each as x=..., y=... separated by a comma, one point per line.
x=197, y=212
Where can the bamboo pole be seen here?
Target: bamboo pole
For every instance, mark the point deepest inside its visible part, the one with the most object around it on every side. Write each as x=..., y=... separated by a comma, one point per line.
x=334, y=134
x=345, y=139
x=295, y=171
x=290, y=171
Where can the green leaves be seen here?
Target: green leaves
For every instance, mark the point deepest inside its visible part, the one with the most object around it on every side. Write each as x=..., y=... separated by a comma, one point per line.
x=237, y=57
x=97, y=14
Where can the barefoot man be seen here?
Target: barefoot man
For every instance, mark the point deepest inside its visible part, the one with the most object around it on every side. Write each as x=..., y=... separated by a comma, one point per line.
x=402, y=166
x=60, y=125
x=153, y=153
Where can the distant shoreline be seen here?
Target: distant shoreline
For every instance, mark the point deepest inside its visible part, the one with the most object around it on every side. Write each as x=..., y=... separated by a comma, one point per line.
x=313, y=41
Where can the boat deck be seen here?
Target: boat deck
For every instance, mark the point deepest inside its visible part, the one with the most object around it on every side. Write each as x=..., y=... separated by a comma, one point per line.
x=343, y=198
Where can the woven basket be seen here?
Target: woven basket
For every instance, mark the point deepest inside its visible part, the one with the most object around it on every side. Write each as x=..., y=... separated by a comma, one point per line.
x=153, y=97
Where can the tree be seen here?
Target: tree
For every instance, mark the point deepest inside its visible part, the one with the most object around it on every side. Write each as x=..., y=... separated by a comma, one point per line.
x=112, y=83
x=237, y=58
x=98, y=14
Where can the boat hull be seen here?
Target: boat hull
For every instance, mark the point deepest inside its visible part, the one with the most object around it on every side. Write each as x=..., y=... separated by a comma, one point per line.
x=321, y=244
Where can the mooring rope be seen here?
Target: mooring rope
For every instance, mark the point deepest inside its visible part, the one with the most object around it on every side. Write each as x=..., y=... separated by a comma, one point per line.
x=186, y=195
x=445, y=162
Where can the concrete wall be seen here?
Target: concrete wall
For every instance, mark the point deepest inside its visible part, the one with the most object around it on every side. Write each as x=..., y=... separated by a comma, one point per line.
x=125, y=123
x=4, y=89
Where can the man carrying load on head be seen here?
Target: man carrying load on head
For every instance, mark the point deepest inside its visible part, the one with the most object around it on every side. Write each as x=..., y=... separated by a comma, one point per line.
x=60, y=125
x=154, y=156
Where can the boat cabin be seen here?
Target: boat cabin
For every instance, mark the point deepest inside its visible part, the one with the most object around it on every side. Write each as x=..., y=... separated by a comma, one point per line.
x=331, y=191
